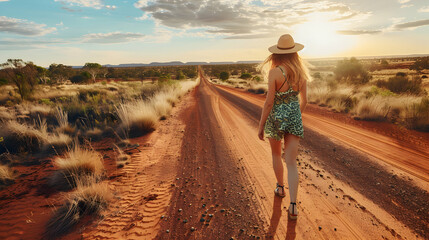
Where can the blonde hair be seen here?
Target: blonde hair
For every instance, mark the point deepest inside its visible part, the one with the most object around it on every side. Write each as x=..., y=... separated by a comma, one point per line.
x=296, y=70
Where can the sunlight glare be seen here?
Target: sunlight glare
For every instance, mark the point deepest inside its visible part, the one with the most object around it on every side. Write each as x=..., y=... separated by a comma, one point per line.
x=320, y=37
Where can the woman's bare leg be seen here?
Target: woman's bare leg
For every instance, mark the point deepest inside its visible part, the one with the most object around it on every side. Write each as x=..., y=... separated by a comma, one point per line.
x=276, y=152
x=291, y=151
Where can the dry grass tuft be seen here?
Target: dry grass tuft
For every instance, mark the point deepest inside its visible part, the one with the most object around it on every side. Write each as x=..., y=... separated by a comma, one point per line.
x=20, y=137
x=121, y=159
x=77, y=163
x=86, y=200
x=79, y=160
x=5, y=114
x=137, y=117
x=141, y=116
x=94, y=133
x=6, y=175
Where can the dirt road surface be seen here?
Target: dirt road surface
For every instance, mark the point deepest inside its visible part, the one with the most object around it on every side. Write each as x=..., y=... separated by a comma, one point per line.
x=204, y=174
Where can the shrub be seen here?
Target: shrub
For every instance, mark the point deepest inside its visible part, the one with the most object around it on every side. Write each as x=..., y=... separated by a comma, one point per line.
x=3, y=81
x=351, y=71
x=246, y=76
x=223, y=76
x=87, y=200
x=417, y=116
x=257, y=79
x=420, y=64
x=81, y=78
x=402, y=84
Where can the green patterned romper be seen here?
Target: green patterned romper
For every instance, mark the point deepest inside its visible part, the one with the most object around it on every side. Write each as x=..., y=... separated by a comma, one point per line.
x=285, y=116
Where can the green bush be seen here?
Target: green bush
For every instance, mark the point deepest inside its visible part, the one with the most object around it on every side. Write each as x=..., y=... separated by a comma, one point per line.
x=402, y=84
x=224, y=76
x=46, y=101
x=246, y=76
x=3, y=81
x=379, y=91
x=80, y=78
x=257, y=79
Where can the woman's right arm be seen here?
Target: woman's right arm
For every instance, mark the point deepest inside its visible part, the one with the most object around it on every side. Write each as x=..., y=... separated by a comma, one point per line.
x=303, y=96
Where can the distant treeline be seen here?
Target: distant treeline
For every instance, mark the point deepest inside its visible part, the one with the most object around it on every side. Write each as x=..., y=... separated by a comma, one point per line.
x=60, y=73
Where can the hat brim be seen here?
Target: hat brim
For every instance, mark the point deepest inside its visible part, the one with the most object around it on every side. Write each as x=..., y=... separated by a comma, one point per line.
x=276, y=50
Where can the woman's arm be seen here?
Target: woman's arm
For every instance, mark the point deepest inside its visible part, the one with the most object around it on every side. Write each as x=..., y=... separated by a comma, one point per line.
x=268, y=103
x=303, y=96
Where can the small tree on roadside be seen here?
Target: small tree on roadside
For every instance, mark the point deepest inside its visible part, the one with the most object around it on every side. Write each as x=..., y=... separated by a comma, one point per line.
x=22, y=74
x=92, y=68
x=223, y=76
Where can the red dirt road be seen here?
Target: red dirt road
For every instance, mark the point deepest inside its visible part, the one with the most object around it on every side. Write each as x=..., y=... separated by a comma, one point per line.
x=204, y=174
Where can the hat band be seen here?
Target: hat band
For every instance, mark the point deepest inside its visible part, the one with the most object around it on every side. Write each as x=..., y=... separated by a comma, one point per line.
x=285, y=48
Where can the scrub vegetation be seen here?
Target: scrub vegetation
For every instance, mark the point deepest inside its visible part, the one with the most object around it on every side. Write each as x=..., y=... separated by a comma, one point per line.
x=391, y=90
x=53, y=114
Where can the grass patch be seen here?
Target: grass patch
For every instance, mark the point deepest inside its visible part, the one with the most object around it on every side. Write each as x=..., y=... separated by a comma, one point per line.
x=22, y=137
x=86, y=200
x=6, y=175
x=77, y=163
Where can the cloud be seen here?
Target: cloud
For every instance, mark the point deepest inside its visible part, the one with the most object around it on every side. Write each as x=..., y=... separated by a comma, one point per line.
x=403, y=1
x=113, y=37
x=14, y=44
x=358, y=32
x=424, y=9
x=97, y=4
x=240, y=19
x=408, y=25
x=23, y=27
x=252, y=36
x=19, y=41
x=4, y=0
x=71, y=9
x=407, y=5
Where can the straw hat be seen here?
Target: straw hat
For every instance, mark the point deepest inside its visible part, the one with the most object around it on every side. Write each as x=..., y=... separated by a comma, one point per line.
x=286, y=44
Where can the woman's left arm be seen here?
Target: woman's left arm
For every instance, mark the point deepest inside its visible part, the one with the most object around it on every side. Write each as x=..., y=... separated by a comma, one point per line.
x=268, y=105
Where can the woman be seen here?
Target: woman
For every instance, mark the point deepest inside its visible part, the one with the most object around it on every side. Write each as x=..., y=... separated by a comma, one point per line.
x=281, y=116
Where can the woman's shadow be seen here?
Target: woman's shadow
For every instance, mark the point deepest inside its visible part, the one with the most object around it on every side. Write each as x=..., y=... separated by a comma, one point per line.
x=275, y=219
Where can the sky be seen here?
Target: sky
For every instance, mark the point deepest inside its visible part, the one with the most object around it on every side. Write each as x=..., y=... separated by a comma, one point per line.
x=74, y=32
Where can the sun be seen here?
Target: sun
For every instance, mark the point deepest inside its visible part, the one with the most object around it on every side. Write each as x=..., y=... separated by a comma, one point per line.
x=320, y=38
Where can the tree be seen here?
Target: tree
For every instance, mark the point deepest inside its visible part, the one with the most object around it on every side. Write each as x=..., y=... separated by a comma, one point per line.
x=93, y=69
x=223, y=76
x=22, y=74
x=104, y=71
x=351, y=71
x=60, y=73
x=420, y=64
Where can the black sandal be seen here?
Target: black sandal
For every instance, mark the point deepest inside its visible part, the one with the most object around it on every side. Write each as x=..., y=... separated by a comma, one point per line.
x=293, y=215
x=277, y=193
